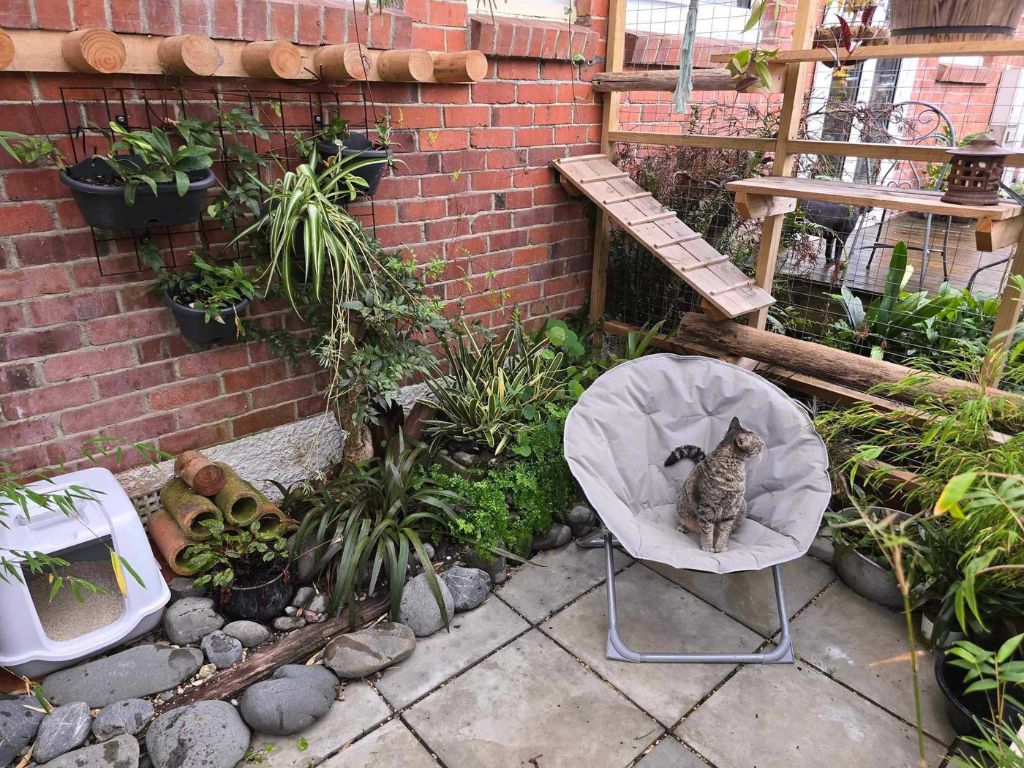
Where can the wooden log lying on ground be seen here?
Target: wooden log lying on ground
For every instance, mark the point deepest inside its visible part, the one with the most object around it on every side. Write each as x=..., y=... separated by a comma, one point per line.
x=202, y=475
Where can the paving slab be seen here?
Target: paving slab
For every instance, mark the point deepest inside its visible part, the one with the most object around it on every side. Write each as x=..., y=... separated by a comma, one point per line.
x=531, y=700
x=865, y=646
x=389, y=746
x=670, y=754
x=444, y=654
x=749, y=596
x=356, y=711
x=654, y=615
x=537, y=592
x=792, y=716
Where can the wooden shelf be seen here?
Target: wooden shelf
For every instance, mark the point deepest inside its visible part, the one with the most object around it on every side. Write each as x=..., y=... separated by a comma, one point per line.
x=1014, y=47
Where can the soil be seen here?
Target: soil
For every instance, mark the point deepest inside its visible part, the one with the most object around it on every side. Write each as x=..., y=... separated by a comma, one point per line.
x=256, y=572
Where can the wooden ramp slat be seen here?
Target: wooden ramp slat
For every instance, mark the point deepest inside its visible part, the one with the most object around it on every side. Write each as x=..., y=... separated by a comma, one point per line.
x=685, y=252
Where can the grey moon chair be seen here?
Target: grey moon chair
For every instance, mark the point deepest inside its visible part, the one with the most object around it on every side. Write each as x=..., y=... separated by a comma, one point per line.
x=624, y=426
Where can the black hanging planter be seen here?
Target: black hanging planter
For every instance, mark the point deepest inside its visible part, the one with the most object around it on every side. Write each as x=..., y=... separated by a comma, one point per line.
x=193, y=326
x=99, y=193
x=357, y=144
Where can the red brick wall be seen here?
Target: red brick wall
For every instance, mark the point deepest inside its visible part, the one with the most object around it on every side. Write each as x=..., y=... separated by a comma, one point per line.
x=82, y=354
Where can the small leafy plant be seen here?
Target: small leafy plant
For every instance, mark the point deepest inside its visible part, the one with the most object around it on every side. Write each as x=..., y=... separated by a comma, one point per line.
x=749, y=66
x=219, y=560
x=209, y=288
x=155, y=159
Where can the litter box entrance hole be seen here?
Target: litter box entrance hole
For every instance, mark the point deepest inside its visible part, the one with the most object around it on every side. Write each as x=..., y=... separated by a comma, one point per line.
x=65, y=618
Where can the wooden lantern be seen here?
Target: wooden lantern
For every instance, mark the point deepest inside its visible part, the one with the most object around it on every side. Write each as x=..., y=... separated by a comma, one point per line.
x=975, y=171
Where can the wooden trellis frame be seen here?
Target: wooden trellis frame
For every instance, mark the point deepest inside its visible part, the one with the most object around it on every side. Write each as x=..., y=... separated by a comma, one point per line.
x=995, y=231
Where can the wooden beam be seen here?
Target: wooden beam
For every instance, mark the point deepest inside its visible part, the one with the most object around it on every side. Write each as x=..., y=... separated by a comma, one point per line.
x=762, y=206
x=992, y=235
x=745, y=143
x=804, y=54
x=715, y=79
x=6, y=50
x=1007, y=317
x=918, y=154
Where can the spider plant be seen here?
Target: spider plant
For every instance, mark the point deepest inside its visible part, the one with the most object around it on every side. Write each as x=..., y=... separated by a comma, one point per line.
x=363, y=527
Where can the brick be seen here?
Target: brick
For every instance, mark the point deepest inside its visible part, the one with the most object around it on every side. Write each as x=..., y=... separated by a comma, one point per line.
x=310, y=24
x=129, y=325
x=192, y=439
x=87, y=363
x=185, y=393
x=213, y=410
x=16, y=378
x=268, y=418
x=38, y=343
x=292, y=389
x=35, y=402
x=255, y=18
x=213, y=361
x=163, y=348
x=52, y=248
x=126, y=16
x=102, y=414
x=422, y=210
x=466, y=117
x=161, y=18
x=19, y=218
x=135, y=379
x=485, y=138
x=282, y=20
x=53, y=14
x=26, y=432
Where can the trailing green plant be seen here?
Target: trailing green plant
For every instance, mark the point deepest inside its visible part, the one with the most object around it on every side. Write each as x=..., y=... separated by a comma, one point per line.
x=156, y=159
x=749, y=66
x=220, y=559
x=208, y=288
x=31, y=150
x=361, y=529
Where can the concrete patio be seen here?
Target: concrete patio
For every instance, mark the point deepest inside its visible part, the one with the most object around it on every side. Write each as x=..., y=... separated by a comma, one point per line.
x=523, y=681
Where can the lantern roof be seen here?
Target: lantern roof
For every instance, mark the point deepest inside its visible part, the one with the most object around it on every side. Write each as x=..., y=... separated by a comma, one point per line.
x=980, y=146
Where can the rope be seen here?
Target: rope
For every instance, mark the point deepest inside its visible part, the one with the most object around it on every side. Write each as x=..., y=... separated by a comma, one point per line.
x=685, y=83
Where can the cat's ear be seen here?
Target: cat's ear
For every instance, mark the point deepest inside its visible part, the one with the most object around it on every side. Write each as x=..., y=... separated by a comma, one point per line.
x=735, y=424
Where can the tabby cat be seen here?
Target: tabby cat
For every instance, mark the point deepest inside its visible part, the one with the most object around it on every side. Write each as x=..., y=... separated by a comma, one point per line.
x=711, y=500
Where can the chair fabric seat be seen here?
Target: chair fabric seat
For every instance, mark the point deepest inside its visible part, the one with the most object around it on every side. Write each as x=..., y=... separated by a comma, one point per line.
x=624, y=426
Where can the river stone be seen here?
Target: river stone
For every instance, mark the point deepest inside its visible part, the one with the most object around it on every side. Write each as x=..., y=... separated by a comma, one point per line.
x=362, y=653
x=64, y=729
x=127, y=716
x=494, y=566
x=557, y=536
x=120, y=752
x=191, y=619
x=581, y=519
x=207, y=734
x=419, y=610
x=294, y=698
x=248, y=633
x=221, y=650
x=19, y=721
x=318, y=604
x=302, y=597
x=288, y=623
x=139, y=671
x=469, y=586
x=183, y=586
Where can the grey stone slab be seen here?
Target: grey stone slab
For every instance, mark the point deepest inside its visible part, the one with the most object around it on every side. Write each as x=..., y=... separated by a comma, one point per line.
x=444, y=654
x=356, y=711
x=391, y=746
x=865, y=646
x=654, y=615
x=537, y=592
x=792, y=716
x=531, y=698
x=669, y=753
x=749, y=596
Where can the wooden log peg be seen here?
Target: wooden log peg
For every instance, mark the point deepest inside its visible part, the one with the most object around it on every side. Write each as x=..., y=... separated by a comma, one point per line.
x=98, y=51
x=6, y=50
x=460, y=67
x=272, y=58
x=350, y=61
x=189, y=55
x=409, y=66
x=202, y=475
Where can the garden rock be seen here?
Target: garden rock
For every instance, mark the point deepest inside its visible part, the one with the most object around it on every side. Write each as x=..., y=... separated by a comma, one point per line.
x=64, y=729
x=318, y=604
x=191, y=619
x=496, y=567
x=304, y=566
x=419, y=609
x=139, y=671
x=207, y=734
x=469, y=586
x=558, y=536
x=122, y=717
x=120, y=752
x=581, y=520
x=294, y=698
x=248, y=633
x=302, y=597
x=362, y=653
x=183, y=586
x=221, y=650
x=288, y=623
x=19, y=721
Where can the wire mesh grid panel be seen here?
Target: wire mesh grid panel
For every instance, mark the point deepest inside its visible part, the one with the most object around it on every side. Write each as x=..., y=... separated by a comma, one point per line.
x=255, y=134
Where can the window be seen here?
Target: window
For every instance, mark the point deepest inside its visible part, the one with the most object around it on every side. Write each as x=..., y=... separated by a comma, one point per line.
x=721, y=19
x=550, y=10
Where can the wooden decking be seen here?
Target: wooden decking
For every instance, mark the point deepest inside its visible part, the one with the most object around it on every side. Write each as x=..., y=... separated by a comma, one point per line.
x=962, y=258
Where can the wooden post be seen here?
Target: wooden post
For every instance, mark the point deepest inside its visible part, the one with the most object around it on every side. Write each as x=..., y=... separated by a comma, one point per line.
x=409, y=66
x=460, y=67
x=97, y=51
x=189, y=55
x=6, y=50
x=272, y=58
x=350, y=61
x=789, y=126
x=1010, y=303
x=614, y=60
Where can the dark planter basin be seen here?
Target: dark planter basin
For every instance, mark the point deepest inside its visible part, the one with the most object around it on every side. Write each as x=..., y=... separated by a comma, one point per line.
x=193, y=326
x=866, y=577
x=103, y=205
x=358, y=144
x=262, y=602
x=961, y=710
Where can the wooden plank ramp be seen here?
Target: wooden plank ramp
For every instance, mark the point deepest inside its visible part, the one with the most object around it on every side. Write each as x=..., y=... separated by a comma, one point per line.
x=660, y=231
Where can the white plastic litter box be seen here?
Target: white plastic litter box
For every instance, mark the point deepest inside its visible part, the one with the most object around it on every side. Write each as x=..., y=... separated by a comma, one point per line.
x=39, y=635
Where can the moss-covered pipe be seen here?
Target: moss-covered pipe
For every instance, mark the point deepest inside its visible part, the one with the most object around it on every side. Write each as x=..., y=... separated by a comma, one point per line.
x=169, y=540
x=237, y=499
x=189, y=509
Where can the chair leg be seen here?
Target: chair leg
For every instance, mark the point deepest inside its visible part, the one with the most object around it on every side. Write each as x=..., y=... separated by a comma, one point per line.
x=619, y=651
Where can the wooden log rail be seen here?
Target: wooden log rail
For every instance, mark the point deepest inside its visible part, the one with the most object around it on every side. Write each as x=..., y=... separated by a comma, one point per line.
x=714, y=79
x=100, y=51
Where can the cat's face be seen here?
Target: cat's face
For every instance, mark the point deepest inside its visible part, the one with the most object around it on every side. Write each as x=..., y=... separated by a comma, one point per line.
x=746, y=442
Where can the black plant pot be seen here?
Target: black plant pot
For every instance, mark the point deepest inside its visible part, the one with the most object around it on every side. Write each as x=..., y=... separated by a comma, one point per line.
x=261, y=602
x=962, y=709
x=193, y=326
x=357, y=144
x=99, y=193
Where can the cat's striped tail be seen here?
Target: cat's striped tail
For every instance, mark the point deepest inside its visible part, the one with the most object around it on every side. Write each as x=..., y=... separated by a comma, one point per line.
x=691, y=452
